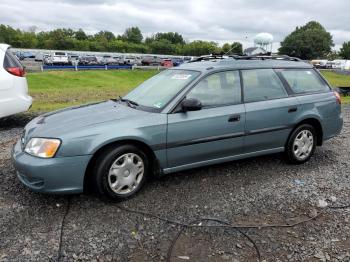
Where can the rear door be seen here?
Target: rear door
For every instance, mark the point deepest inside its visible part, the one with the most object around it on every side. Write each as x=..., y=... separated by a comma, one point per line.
x=214, y=132
x=270, y=112
x=315, y=96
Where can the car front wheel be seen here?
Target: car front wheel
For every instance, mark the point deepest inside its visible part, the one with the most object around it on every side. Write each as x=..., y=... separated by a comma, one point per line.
x=120, y=172
x=301, y=144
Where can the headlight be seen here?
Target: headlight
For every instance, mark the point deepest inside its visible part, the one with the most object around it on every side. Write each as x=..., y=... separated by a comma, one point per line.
x=42, y=147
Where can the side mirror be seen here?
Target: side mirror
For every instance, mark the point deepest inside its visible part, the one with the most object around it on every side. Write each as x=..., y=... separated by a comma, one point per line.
x=191, y=104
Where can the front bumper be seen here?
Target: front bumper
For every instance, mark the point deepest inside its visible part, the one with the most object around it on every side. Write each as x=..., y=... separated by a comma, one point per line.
x=60, y=175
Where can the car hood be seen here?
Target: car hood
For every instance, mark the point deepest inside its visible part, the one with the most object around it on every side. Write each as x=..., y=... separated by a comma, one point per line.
x=78, y=117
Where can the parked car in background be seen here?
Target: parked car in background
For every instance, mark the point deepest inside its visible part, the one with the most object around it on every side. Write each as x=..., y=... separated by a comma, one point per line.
x=19, y=55
x=88, y=60
x=39, y=57
x=60, y=58
x=119, y=59
x=47, y=59
x=28, y=54
x=167, y=63
x=151, y=61
x=187, y=59
x=109, y=60
x=177, y=61
x=14, y=96
x=73, y=59
x=130, y=60
x=194, y=115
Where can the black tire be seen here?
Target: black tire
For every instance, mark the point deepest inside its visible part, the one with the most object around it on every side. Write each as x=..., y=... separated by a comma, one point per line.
x=102, y=168
x=290, y=147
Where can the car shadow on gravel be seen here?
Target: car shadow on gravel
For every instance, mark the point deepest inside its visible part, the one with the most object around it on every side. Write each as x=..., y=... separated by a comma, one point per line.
x=19, y=120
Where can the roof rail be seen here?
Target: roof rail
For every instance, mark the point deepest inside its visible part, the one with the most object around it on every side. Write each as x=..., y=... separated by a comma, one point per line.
x=266, y=57
x=210, y=57
x=245, y=57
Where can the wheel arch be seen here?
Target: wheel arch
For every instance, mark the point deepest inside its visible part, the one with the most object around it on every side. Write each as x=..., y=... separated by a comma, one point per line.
x=316, y=123
x=153, y=161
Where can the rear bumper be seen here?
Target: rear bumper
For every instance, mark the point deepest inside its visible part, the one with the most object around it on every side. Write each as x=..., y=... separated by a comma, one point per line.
x=62, y=175
x=18, y=104
x=334, y=127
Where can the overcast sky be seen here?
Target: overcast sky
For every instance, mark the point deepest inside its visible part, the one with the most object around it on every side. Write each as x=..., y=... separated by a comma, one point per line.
x=215, y=20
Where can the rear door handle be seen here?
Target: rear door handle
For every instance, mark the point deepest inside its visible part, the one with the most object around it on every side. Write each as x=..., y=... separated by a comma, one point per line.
x=234, y=118
x=292, y=109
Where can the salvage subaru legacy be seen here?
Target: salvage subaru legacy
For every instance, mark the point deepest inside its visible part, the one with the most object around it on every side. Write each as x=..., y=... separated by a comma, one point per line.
x=201, y=113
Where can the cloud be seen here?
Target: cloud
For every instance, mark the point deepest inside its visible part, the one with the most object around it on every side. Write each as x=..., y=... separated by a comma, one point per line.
x=220, y=21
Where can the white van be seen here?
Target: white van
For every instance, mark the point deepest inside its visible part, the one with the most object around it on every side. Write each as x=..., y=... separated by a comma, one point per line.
x=14, y=96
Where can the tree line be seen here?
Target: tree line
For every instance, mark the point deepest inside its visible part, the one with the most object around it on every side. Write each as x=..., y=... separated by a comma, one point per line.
x=131, y=41
x=310, y=41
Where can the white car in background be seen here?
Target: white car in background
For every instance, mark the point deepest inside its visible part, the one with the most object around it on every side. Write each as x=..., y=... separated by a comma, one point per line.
x=14, y=96
x=60, y=58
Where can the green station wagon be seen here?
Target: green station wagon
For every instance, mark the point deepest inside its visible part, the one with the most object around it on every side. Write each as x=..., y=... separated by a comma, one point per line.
x=201, y=113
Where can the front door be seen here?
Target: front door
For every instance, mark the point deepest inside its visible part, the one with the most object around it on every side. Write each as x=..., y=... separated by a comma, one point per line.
x=214, y=132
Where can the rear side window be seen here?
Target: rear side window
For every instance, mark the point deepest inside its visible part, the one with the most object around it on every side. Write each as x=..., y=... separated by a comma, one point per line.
x=304, y=81
x=11, y=60
x=262, y=84
x=218, y=89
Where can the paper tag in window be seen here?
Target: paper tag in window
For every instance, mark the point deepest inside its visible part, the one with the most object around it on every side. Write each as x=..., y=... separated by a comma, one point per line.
x=181, y=77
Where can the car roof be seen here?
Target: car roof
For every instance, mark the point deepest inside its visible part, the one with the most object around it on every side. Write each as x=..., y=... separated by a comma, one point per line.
x=231, y=63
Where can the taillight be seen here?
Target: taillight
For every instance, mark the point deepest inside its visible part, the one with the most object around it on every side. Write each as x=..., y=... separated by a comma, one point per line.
x=16, y=71
x=337, y=96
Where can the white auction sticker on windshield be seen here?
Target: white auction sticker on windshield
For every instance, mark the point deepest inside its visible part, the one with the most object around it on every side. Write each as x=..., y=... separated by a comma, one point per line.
x=181, y=76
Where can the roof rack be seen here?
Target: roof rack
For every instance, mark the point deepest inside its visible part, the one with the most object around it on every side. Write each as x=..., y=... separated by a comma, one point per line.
x=209, y=57
x=245, y=57
x=266, y=57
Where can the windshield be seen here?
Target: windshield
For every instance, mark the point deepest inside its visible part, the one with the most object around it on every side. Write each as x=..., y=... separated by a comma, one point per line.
x=157, y=91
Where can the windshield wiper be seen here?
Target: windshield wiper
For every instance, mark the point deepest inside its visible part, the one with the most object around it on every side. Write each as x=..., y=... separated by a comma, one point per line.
x=128, y=102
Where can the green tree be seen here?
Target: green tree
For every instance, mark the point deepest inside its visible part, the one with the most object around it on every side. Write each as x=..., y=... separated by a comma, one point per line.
x=162, y=46
x=173, y=37
x=104, y=36
x=307, y=42
x=198, y=48
x=345, y=50
x=232, y=49
x=80, y=35
x=8, y=34
x=133, y=35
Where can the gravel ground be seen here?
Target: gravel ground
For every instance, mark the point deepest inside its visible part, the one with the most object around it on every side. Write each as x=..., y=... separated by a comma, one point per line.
x=257, y=191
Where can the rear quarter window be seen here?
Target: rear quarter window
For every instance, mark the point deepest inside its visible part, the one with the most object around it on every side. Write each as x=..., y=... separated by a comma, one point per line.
x=10, y=60
x=304, y=81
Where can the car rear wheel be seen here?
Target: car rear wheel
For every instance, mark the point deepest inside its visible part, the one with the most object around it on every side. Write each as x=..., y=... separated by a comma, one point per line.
x=301, y=144
x=120, y=172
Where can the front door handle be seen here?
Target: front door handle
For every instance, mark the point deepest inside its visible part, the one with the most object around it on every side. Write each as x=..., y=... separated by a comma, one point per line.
x=292, y=109
x=234, y=118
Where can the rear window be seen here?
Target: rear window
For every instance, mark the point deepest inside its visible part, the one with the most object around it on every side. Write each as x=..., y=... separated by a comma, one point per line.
x=304, y=81
x=60, y=53
x=11, y=60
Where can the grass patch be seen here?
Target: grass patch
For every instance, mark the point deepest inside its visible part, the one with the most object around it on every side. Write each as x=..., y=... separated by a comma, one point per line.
x=336, y=79
x=59, y=89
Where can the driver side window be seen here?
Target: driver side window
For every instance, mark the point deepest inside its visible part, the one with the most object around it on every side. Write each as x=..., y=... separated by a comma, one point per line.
x=218, y=89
